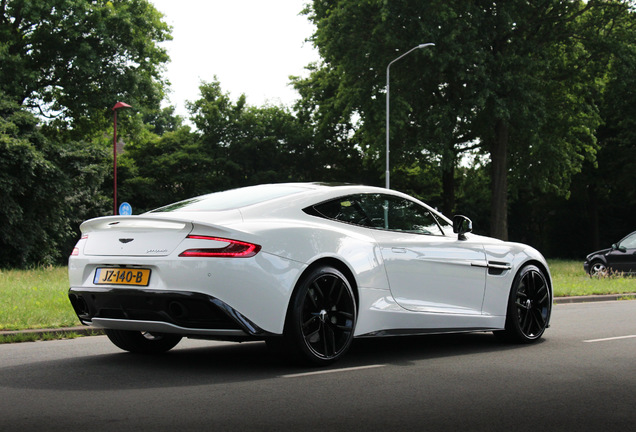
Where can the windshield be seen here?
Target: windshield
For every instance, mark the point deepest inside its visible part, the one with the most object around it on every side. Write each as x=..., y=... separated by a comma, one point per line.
x=231, y=199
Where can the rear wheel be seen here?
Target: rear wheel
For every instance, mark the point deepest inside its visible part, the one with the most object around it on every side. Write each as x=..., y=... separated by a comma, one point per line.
x=322, y=318
x=529, y=307
x=143, y=342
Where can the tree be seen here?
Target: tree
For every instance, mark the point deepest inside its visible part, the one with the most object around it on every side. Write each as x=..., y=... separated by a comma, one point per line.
x=328, y=153
x=235, y=145
x=157, y=170
x=605, y=189
x=47, y=190
x=257, y=144
x=540, y=116
x=516, y=80
x=71, y=60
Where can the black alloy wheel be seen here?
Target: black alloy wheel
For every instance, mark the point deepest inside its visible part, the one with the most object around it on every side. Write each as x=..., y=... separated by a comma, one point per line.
x=529, y=306
x=322, y=319
x=143, y=342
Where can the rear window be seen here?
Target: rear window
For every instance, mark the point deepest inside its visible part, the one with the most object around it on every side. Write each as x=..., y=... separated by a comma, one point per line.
x=231, y=199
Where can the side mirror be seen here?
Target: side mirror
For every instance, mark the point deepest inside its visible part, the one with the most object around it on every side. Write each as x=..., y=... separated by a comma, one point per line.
x=619, y=248
x=461, y=226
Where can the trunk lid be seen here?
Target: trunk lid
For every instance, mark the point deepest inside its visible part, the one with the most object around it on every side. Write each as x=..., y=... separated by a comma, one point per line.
x=133, y=236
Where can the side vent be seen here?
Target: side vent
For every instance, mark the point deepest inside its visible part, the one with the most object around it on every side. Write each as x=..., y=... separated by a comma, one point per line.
x=497, y=268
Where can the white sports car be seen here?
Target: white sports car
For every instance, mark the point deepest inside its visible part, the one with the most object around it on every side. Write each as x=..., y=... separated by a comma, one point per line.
x=304, y=266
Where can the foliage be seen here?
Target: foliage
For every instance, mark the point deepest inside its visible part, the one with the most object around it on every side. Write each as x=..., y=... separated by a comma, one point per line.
x=610, y=196
x=28, y=181
x=73, y=59
x=522, y=109
x=473, y=197
x=234, y=145
x=601, y=204
x=46, y=187
x=517, y=79
x=68, y=62
x=332, y=152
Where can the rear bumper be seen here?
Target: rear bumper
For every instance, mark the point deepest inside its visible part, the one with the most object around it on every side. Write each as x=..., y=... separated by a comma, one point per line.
x=185, y=313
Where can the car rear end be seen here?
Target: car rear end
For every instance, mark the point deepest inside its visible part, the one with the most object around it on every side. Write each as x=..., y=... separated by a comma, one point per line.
x=171, y=275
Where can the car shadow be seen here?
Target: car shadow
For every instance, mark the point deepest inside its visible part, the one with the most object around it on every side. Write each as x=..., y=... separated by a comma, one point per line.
x=227, y=363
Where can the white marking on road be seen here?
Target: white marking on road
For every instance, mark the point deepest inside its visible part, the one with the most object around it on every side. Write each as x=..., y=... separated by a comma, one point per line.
x=611, y=338
x=321, y=372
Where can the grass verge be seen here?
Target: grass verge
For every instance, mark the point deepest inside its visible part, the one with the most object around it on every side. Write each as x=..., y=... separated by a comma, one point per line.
x=569, y=279
x=32, y=337
x=36, y=298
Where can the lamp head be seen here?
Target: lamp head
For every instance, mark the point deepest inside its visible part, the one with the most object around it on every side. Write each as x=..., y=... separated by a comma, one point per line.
x=121, y=105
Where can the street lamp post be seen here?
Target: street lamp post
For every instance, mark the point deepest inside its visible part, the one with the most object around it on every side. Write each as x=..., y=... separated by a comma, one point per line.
x=117, y=106
x=388, y=183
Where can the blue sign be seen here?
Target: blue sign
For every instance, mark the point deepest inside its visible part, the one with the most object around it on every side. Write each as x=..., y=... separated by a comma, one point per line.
x=125, y=209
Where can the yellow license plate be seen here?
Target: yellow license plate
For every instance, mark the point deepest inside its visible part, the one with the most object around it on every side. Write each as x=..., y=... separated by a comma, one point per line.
x=122, y=276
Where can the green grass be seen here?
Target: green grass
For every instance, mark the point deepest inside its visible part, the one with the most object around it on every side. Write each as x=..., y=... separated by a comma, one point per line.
x=570, y=280
x=37, y=299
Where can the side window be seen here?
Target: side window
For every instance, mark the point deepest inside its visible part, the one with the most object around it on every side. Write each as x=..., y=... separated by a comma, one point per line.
x=346, y=209
x=407, y=216
x=382, y=212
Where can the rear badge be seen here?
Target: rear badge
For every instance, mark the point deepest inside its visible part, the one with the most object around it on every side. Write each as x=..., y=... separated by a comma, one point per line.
x=156, y=251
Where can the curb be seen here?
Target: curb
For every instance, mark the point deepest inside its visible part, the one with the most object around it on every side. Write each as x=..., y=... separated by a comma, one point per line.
x=91, y=331
x=595, y=298
x=79, y=330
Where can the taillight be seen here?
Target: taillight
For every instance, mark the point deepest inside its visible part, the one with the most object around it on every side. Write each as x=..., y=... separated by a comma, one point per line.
x=234, y=249
x=76, y=248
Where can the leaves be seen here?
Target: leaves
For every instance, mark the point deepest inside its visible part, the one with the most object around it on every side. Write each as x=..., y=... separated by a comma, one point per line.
x=46, y=189
x=521, y=80
x=71, y=59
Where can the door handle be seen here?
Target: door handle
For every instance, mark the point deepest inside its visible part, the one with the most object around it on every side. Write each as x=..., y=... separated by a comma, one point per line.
x=398, y=250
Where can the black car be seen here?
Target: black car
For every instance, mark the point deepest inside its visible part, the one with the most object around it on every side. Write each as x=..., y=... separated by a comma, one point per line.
x=621, y=257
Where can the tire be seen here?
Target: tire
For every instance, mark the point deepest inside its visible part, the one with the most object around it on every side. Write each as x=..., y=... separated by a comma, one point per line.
x=598, y=268
x=529, y=307
x=142, y=342
x=322, y=317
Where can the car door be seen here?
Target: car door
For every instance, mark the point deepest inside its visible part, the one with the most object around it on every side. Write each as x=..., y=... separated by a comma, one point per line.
x=429, y=270
x=623, y=257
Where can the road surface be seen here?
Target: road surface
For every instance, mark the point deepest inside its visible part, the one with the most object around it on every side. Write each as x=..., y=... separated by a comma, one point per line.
x=581, y=376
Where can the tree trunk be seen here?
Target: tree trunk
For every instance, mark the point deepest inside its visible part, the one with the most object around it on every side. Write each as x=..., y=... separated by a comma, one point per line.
x=448, y=189
x=499, y=182
x=592, y=212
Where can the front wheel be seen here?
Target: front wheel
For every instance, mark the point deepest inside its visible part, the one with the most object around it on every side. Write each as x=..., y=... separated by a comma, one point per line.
x=142, y=342
x=322, y=317
x=529, y=307
x=598, y=268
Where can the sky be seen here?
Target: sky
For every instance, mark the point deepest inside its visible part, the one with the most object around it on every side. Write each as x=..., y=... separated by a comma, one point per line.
x=251, y=46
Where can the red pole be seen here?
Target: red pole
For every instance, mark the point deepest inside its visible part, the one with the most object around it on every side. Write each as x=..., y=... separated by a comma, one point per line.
x=115, y=162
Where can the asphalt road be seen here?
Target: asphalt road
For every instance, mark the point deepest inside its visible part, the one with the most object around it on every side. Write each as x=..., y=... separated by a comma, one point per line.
x=582, y=376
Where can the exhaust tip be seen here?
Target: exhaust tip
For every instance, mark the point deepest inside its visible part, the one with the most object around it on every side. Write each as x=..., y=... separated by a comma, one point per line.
x=79, y=304
x=177, y=310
